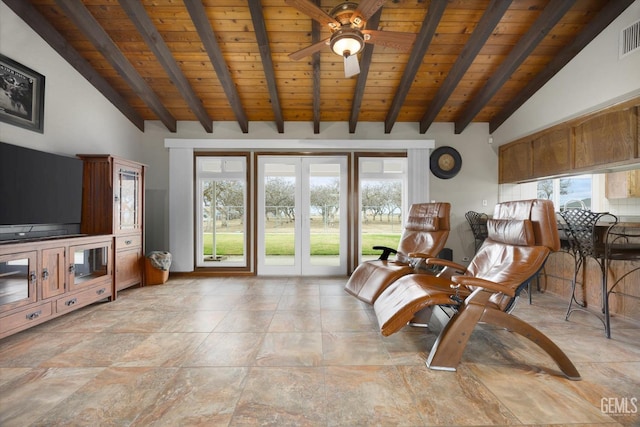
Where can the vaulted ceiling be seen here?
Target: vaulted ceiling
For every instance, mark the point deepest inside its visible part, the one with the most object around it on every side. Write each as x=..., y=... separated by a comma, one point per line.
x=228, y=60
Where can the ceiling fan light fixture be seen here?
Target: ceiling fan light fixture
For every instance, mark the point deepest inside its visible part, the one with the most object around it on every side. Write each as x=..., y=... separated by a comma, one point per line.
x=347, y=42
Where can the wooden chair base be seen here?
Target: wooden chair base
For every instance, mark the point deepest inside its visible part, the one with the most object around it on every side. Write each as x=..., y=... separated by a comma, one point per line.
x=447, y=351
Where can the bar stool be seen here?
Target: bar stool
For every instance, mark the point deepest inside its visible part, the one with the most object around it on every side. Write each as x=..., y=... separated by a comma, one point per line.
x=478, y=223
x=568, y=244
x=595, y=235
x=621, y=244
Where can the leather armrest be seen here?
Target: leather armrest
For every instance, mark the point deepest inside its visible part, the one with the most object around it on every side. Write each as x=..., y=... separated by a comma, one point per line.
x=482, y=283
x=386, y=251
x=446, y=263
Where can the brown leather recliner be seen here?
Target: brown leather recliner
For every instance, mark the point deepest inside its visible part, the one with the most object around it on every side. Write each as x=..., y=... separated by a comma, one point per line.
x=426, y=232
x=521, y=235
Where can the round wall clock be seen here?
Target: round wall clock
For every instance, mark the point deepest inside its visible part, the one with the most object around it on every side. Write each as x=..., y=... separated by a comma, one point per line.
x=445, y=162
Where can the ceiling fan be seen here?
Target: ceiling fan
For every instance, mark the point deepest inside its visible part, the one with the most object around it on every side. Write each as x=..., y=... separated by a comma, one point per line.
x=347, y=23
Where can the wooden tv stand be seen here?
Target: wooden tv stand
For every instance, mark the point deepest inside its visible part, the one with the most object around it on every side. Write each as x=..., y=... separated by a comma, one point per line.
x=44, y=279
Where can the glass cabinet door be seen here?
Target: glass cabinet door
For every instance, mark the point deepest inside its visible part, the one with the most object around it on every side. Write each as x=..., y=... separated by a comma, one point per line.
x=88, y=264
x=17, y=280
x=127, y=198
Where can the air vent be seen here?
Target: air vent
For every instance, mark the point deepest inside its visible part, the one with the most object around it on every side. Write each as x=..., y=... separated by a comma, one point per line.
x=630, y=39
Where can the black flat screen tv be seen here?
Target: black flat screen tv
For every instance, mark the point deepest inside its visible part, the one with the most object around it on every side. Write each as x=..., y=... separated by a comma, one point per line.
x=38, y=187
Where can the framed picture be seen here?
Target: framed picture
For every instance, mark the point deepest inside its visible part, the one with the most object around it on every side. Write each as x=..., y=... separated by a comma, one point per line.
x=21, y=95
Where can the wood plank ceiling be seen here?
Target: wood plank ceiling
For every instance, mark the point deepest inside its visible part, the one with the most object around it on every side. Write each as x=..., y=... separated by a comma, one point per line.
x=227, y=60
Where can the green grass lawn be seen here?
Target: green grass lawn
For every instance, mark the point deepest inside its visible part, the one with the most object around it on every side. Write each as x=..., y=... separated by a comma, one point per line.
x=282, y=243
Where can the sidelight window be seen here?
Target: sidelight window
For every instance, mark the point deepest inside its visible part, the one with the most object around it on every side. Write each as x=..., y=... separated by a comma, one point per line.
x=221, y=209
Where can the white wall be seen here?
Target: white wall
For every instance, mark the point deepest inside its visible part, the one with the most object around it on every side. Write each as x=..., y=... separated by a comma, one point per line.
x=77, y=118
x=476, y=182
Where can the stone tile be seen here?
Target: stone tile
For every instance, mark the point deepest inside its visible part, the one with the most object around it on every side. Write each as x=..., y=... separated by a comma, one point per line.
x=435, y=391
x=341, y=302
x=290, y=349
x=163, y=350
x=196, y=396
x=143, y=321
x=227, y=349
x=194, y=321
x=245, y=321
x=30, y=349
x=97, y=350
x=354, y=348
x=291, y=396
x=369, y=395
x=295, y=321
x=535, y=397
x=299, y=302
x=36, y=393
x=347, y=321
x=114, y=397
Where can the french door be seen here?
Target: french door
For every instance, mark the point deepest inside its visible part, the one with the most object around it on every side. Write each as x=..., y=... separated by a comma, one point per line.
x=302, y=215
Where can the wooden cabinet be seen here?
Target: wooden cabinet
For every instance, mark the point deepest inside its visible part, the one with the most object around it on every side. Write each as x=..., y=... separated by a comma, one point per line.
x=515, y=162
x=608, y=138
x=113, y=202
x=44, y=279
x=622, y=185
x=552, y=152
x=52, y=272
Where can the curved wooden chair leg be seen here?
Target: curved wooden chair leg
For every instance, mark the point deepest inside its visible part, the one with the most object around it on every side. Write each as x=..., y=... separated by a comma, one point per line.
x=447, y=351
x=514, y=324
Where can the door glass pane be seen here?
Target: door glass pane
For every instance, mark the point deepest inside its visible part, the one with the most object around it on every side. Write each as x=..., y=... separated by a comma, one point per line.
x=382, y=183
x=324, y=192
x=221, y=210
x=128, y=199
x=280, y=214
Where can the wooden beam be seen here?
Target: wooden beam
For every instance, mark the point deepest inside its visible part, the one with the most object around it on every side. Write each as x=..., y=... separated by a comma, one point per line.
x=491, y=17
x=82, y=18
x=365, y=64
x=546, y=21
x=208, y=38
x=138, y=15
x=428, y=29
x=255, y=7
x=40, y=25
x=316, y=28
x=549, y=17
x=610, y=11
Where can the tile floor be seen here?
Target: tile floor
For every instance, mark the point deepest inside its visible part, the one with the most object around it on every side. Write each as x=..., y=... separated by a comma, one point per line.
x=301, y=352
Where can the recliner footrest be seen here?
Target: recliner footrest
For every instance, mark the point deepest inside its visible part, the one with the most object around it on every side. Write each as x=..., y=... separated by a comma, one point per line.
x=398, y=303
x=371, y=278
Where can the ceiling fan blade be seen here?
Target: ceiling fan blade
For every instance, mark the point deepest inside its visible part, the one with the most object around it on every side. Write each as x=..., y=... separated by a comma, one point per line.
x=392, y=39
x=309, y=50
x=351, y=66
x=366, y=9
x=310, y=9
